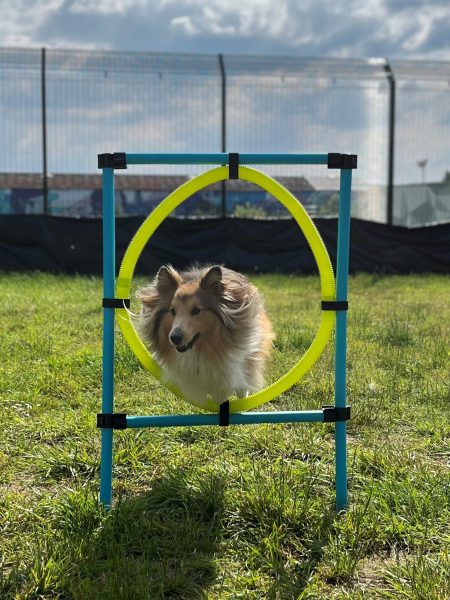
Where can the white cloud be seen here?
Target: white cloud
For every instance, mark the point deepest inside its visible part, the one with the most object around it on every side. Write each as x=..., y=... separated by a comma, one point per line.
x=184, y=25
x=409, y=28
x=105, y=7
x=327, y=27
x=22, y=18
x=233, y=18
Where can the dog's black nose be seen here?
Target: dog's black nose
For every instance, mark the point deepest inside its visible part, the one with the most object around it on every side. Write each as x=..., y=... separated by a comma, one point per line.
x=176, y=337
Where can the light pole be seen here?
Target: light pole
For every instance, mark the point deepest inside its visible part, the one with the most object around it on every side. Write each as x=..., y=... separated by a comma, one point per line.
x=422, y=165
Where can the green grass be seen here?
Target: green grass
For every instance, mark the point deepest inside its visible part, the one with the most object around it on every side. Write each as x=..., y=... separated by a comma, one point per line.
x=242, y=512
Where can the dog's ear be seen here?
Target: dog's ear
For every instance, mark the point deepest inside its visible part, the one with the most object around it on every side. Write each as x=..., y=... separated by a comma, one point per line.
x=167, y=279
x=211, y=280
x=165, y=283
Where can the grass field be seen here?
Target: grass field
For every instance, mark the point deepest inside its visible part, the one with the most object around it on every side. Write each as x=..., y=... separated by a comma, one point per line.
x=241, y=512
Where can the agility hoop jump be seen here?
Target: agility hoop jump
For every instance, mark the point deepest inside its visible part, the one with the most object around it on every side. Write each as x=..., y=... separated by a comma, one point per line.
x=333, y=302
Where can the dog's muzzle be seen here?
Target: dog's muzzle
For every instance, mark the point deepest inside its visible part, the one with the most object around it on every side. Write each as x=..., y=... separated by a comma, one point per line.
x=185, y=347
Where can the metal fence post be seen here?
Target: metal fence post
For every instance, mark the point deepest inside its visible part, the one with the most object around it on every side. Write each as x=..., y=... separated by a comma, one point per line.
x=223, y=130
x=391, y=148
x=44, y=130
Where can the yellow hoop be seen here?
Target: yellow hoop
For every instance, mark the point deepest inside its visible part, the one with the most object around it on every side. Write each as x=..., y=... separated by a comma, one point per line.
x=311, y=234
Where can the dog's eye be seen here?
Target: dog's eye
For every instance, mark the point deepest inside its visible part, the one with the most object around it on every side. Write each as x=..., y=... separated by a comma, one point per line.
x=195, y=311
x=172, y=311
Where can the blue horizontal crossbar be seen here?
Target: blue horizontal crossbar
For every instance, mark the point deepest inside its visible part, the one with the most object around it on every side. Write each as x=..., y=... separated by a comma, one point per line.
x=222, y=159
x=247, y=418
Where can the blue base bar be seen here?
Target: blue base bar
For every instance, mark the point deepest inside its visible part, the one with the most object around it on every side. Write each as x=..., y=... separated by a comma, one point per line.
x=222, y=159
x=247, y=418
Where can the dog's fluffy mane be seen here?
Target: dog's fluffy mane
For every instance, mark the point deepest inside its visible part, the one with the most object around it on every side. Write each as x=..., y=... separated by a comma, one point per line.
x=235, y=359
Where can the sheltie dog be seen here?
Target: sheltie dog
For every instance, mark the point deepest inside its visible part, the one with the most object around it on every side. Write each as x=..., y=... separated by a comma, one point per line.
x=209, y=331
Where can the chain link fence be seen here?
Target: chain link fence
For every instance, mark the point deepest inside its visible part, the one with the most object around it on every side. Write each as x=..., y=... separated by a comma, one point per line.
x=60, y=108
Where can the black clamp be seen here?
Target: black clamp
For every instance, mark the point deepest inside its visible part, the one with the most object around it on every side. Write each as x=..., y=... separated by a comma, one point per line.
x=233, y=165
x=116, y=303
x=342, y=161
x=224, y=414
x=112, y=420
x=334, y=304
x=118, y=160
x=332, y=414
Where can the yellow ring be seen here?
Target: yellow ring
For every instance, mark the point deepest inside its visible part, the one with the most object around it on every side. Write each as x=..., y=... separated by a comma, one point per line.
x=148, y=227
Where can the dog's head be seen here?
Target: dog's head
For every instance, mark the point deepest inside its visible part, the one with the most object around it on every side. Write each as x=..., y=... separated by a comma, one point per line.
x=183, y=311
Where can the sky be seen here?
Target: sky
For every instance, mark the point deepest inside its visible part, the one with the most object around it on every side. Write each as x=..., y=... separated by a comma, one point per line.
x=409, y=29
x=173, y=114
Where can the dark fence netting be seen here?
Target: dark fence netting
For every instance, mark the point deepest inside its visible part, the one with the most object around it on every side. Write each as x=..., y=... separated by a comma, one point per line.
x=64, y=245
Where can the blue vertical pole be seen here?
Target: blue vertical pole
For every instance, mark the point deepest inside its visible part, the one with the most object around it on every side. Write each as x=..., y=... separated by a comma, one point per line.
x=343, y=246
x=109, y=270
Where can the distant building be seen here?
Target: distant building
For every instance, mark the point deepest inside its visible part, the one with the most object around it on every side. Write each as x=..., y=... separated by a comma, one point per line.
x=422, y=203
x=73, y=195
x=79, y=196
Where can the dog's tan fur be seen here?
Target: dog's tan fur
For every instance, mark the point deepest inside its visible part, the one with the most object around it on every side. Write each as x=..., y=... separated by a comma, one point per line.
x=226, y=334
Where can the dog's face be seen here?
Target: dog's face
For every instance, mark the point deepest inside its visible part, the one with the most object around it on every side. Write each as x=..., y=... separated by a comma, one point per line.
x=187, y=311
x=191, y=319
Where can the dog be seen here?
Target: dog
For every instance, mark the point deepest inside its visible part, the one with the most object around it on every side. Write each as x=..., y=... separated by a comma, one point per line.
x=209, y=331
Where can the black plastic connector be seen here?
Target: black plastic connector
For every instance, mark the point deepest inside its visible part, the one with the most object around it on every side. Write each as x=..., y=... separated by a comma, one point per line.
x=233, y=165
x=331, y=414
x=224, y=414
x=112, y=420
x=334, y=304
x=116, y=303
x=342, y=161
x=118, y=160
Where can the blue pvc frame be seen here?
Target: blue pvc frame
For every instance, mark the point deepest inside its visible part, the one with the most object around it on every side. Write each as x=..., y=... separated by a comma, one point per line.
x=109, y=273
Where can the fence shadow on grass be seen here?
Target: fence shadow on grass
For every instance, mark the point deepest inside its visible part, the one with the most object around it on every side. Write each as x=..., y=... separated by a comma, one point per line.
x=159, y=544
